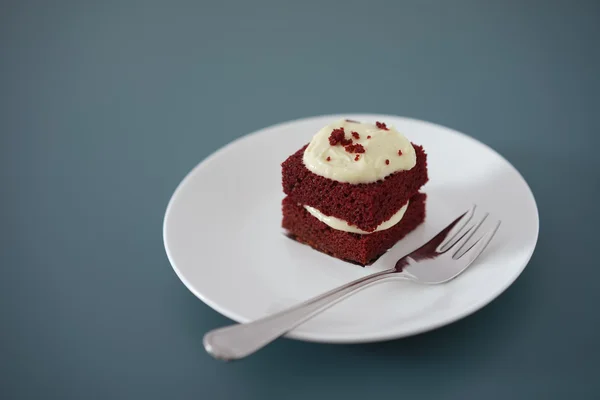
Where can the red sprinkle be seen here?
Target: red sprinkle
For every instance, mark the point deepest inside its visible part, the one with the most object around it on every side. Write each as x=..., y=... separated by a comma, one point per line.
x=337, y=136
x=369, y=137
x=355, y=148
x=356, y=158
x=328, y=158
x=381, y=125
x=355, y=135
x=345, y=142
x=387, y=162
x=399, y=152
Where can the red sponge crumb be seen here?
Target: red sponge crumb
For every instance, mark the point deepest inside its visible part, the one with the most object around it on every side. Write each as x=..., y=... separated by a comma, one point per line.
x=364, y=205
x=337, y=136
x=360, y=249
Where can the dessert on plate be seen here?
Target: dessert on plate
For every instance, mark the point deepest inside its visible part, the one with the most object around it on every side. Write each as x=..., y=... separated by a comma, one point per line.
x=353, y=191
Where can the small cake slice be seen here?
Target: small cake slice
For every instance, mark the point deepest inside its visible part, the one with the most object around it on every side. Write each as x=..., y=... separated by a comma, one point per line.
x=353, y=191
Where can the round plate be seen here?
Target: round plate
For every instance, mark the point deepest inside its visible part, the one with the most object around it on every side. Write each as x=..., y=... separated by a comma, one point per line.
x=223, y=236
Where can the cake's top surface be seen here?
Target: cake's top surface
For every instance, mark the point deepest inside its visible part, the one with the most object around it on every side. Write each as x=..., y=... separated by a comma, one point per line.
x=356, y=152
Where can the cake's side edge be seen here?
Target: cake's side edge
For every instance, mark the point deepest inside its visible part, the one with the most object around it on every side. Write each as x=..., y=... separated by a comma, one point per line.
x=359, y=249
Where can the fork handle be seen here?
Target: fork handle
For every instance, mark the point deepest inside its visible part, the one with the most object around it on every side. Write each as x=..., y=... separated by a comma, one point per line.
x=240, y=340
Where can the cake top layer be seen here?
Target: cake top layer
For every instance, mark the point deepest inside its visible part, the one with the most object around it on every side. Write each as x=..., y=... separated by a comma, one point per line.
x=356, y=152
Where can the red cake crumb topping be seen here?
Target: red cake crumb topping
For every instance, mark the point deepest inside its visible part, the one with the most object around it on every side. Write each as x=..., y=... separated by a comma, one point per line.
x=346, y=142
x=357, y=158
x=328, y=158
x=337, y=135
x=355, y=148
x=381, y=125
x=355, y=135
x=369, y=137
x=387, y=162
x=399, y=152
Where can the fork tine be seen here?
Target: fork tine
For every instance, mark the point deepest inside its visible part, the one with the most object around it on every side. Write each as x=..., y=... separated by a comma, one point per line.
x=480, y=244
x=458, y=253
x=456, y=228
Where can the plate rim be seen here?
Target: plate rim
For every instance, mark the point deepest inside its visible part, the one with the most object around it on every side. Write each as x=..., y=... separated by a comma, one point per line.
x=347, y=339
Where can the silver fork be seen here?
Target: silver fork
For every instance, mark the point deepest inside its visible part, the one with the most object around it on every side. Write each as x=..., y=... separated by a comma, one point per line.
x=440, y=260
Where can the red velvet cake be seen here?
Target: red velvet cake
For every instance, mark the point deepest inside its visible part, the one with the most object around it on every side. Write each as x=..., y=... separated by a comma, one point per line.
x=366, y=205
x=353, y=191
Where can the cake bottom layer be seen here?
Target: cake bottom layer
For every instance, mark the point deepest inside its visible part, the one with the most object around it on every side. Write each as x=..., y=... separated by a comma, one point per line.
x=353, y=247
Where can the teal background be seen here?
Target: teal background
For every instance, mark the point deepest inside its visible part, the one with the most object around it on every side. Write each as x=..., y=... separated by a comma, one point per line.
x=105, y=106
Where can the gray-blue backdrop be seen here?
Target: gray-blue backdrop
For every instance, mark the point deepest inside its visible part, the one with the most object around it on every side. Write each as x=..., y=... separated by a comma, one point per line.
x=106, y=105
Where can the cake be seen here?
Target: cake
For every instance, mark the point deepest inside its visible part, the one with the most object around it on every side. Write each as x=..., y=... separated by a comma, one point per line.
x=354, y=191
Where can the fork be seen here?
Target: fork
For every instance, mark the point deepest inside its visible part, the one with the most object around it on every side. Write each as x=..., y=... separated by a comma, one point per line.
x=444, y=257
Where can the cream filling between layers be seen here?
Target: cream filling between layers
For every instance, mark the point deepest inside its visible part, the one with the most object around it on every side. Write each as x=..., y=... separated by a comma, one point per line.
x=341, y=225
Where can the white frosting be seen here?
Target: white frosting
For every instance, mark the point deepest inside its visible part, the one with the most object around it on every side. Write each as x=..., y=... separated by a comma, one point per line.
x=341, y=225
x=371, y=165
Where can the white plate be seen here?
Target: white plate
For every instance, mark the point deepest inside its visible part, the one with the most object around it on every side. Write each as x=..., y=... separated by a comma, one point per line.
x=223, y=236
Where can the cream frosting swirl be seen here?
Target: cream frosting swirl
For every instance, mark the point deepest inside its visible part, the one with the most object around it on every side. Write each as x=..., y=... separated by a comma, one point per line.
x=385, y=151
